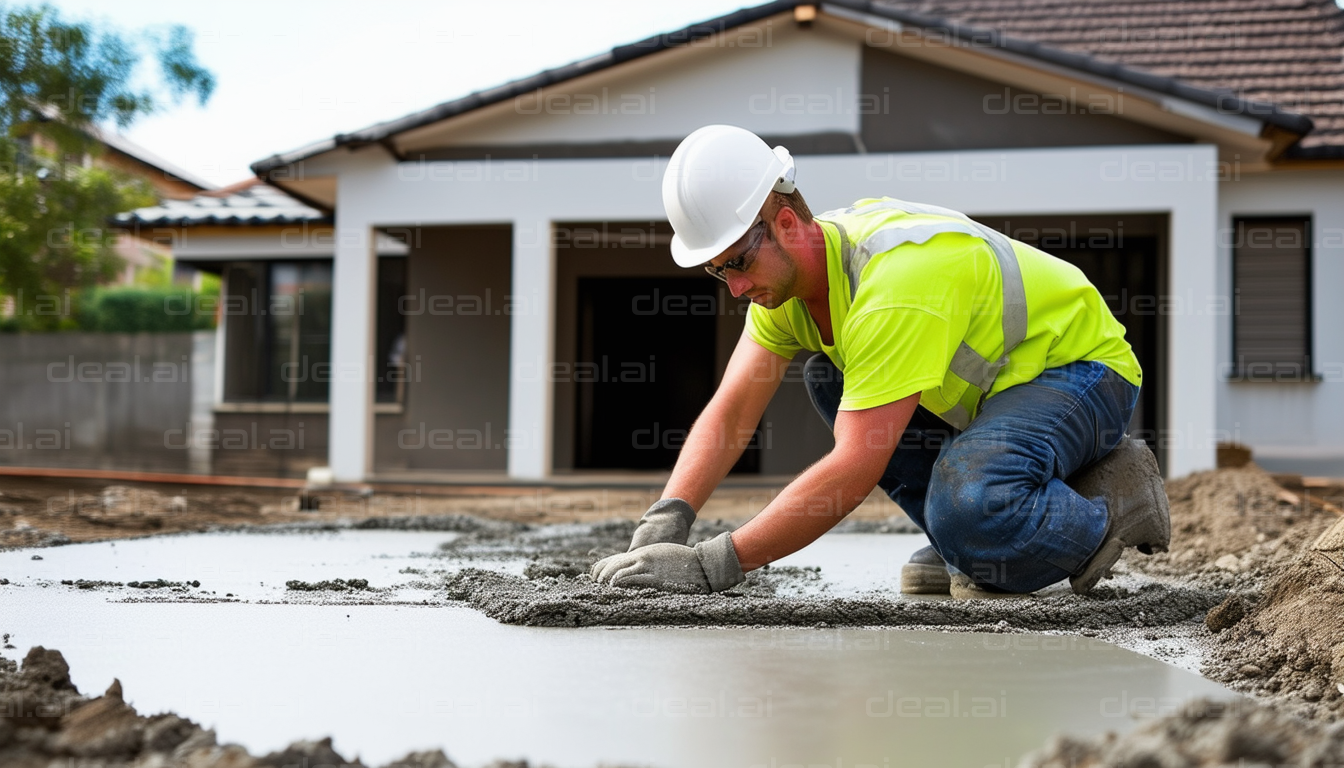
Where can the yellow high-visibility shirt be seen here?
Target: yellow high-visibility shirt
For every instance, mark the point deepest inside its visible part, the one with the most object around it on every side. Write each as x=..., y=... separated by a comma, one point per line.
x=916, y=303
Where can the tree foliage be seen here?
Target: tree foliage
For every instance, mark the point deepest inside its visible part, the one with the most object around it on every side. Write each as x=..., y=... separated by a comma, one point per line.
x=59, y=82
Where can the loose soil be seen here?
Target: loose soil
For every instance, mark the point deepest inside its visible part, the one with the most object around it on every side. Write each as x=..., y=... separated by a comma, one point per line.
x=1204, y=733
x=1280, y=627
x=1278, y=552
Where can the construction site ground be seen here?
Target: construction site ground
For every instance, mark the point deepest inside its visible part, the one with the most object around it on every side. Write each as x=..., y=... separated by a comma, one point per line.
x=1251, y=597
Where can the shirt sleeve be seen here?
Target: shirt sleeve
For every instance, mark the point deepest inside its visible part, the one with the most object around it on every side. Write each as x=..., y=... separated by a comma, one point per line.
x=892, y=353
x=772, y=332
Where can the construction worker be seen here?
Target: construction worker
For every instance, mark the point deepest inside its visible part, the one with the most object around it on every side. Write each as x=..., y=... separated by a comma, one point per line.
x=982, y=383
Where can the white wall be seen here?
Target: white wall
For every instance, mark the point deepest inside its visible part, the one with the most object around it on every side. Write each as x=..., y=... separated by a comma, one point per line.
x=771, y=78
x=1178, y=180
x=1290, y=426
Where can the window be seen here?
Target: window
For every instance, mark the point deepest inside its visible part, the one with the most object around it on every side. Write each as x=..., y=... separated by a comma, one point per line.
x=1271, y=284
x=278, y=337
x=278, y=331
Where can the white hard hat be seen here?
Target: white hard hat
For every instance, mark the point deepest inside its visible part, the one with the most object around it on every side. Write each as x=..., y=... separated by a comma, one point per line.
x=715, y=184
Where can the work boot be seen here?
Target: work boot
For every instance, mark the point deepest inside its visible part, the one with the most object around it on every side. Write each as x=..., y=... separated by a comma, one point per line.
x=1138, y=513
x=925, y=574
x=962, y=588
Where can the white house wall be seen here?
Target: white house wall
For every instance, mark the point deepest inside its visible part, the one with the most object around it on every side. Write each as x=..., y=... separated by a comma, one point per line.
x=373, y=191
x=1290, y=425
x=771, y=78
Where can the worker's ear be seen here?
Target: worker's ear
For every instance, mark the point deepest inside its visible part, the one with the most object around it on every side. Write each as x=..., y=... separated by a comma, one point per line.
x=787, y=224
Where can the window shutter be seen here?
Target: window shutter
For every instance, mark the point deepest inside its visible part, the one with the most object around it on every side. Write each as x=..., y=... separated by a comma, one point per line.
x=1272, y=306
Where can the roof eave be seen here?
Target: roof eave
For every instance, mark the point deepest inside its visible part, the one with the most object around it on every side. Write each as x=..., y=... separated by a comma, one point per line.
x=1223, y=102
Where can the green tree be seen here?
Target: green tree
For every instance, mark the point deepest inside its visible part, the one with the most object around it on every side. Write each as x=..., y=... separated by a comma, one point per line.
x=59, y=82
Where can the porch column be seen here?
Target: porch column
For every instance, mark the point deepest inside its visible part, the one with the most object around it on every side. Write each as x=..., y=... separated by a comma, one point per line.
x=531, y=349
x=354, y=278
x=1191, y=433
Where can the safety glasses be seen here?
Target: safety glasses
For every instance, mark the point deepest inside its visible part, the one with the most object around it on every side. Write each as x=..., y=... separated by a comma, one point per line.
x=747, y=256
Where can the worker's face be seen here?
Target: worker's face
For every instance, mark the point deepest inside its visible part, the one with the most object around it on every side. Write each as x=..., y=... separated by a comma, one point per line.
x=756, y=267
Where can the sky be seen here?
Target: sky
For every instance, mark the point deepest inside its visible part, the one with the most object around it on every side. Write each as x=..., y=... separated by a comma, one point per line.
x=291, y=72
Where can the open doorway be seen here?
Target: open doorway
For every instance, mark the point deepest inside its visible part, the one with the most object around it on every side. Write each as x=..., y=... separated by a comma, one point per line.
x=646, y=366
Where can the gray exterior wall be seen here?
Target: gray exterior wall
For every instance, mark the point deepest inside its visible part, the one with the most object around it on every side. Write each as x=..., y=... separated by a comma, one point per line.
x=456, y=410
x=917, y=106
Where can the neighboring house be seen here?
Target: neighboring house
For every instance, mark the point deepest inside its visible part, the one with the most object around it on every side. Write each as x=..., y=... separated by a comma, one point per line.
x=274, y=255
x=1187, y=156
x=168, y=181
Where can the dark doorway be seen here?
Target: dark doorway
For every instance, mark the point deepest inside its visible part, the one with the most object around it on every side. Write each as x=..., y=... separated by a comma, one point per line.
x=645, y=368
x=1126, y=275
x=1123, y=258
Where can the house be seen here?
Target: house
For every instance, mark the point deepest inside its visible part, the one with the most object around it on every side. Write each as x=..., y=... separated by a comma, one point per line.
x=168, y=181
x=502, y=300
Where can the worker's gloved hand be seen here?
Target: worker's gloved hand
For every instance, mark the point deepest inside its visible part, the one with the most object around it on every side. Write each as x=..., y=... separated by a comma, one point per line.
x=667, y=521
x=710, y=566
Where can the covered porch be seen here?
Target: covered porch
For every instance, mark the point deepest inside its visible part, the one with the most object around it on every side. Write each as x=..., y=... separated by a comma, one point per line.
x=508, y=255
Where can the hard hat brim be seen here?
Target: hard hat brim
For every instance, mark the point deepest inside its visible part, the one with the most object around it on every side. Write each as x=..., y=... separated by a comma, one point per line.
x=693, y=257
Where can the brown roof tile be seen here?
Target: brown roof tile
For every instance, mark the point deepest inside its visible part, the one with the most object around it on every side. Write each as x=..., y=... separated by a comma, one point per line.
x=1287, y=52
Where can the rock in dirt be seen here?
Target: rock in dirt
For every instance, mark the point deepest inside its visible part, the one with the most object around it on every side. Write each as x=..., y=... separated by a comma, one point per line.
x=1203, y=733
x=38, y=693
x=1278, y=557
x=1227, y=613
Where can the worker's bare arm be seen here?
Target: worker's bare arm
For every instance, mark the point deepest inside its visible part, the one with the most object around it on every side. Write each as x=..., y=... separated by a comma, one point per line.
x=830, y=489
x=727, y=423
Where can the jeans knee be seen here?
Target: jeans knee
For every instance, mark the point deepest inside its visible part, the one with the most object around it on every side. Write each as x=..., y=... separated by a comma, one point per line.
x=971, y=504
x=957, y=487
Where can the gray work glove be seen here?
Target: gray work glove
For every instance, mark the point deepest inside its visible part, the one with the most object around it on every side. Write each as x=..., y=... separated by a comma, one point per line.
x=667, y=521
x=710, y=566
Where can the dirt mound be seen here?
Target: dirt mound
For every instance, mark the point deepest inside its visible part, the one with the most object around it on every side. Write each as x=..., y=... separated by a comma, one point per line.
x=1289, y=644
x=1203, y=733
x=1282, y=622
x=1235, y=528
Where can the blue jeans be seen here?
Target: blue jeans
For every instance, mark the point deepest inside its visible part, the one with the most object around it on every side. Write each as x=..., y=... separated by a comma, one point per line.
x=992, y=498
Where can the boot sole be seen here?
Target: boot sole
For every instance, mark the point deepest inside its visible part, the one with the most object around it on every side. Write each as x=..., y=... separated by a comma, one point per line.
x=920, y=579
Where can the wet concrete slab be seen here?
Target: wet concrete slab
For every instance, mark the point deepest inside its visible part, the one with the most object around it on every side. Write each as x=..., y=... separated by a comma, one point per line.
x=271, y=665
